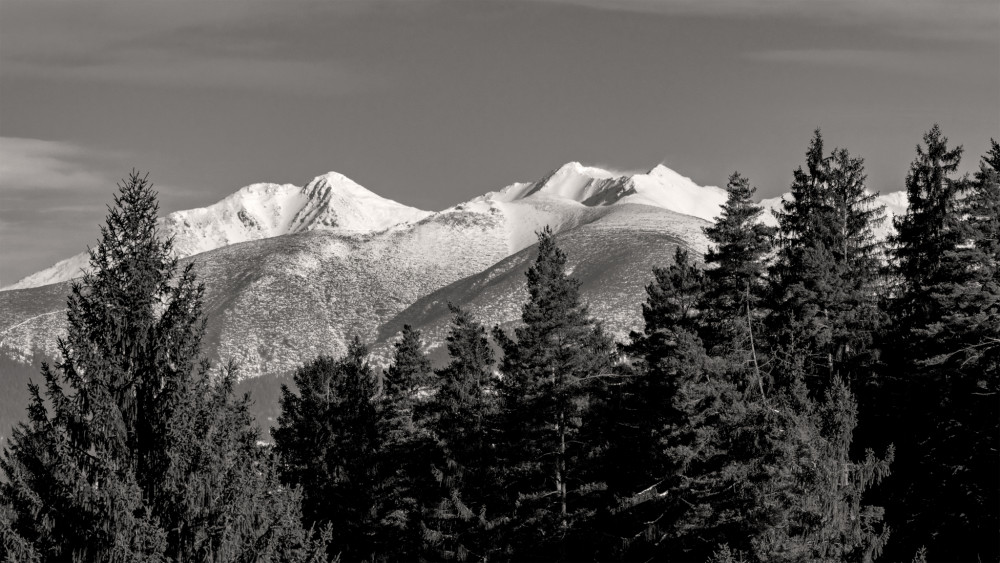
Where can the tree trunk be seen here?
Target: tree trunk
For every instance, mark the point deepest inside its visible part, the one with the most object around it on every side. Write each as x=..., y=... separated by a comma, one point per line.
x=561, y=485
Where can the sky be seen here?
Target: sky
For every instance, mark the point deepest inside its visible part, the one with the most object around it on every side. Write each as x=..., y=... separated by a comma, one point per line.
x=433, y=102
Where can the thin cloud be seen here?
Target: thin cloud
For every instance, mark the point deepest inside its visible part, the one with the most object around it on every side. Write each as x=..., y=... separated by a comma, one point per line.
x=53, y=196
x=957, y=20
x=306, y=78
x=231, y=45
x=47, y=192
x=878, y=60
x=33, y=164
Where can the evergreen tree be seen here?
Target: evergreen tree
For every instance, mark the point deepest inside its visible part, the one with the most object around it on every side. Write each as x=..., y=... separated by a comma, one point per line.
x=823, y=324
x=715, y=464
x=666, y=419
x=408, y=447
x=252, y=516
x=824, y=284
x=737, y=263
x=410, y=369
x=331, y=439
x=929, y=233
x=948, y=330
x=104, y=469
x=803, y=494
x=983, y=209
x=461, y=517
x=551, y=374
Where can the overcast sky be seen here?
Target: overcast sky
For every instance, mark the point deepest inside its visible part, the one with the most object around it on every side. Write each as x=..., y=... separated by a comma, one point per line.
x=432, y=102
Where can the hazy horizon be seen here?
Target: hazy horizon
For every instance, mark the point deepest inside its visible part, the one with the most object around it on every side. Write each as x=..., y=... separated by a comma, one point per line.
x=431, y=103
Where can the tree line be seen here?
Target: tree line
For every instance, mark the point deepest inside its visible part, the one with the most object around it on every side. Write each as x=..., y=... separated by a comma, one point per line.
x=801, y=393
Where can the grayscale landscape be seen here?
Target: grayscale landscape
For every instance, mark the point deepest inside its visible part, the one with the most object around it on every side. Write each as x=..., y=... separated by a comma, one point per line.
x=507, y=280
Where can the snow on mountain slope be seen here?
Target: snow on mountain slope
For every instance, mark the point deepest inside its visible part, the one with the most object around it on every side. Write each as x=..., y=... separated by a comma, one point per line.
x=572, y=181
x=62, y=270
x=258, y=211
x=254, y=212
x=665, y=188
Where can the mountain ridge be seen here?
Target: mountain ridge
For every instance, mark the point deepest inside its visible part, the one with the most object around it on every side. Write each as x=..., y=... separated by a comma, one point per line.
x=333, y=201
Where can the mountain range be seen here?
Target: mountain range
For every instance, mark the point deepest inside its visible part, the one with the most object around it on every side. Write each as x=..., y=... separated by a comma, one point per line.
x=294, y=272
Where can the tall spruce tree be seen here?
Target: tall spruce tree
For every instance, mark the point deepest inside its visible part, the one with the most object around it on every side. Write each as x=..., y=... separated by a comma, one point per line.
x=824, y=283
x=636, y=401
x=736, y=265
x=463, y=410
x=666, y=421
x=928, y=234
x=948, y=330
x=823, y=324
x=552, y=371
x=106, y=468
x=410, y=369
x=331, y=439
x=408, y=447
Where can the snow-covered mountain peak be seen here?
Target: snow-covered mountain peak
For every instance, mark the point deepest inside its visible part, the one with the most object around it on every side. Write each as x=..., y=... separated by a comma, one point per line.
x=574, y=170
x=338, y=183
x=592, y=186
x=334, y=201
x=662, y=187
x=666, y=174
x=572, y=181
x=661, y=170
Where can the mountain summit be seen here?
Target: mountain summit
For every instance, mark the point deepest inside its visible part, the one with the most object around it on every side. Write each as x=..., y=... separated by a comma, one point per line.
x=594, y=187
